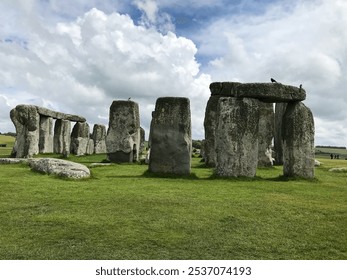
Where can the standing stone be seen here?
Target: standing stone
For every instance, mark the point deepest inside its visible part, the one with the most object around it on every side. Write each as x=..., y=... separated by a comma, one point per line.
x=99, y=138
x=298, y=141
x=210, y=124
x=62, y=137
x=266, y=132
x=26, y=121
x=80, y=138
x=46, y=135
x=142, y=140
x=90, y=147
x=170, y=136
x=237, y=137
x=123, y=135
x=280, y=109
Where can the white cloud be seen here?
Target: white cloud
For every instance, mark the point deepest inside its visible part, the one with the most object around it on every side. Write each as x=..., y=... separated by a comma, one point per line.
x=303, y=43
x=80, y=66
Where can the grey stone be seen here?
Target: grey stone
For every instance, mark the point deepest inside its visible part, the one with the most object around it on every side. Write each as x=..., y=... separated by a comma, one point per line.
x=266, y=132
x=236, y=139
x=210, y=125
x=338, y=169
x=142, y=141
x=90, y=147
x=80, y=138
x=266, y=92
x=59, y=167
x=123, y=135
x=170, y=136
x=298, y=141
x=46, y=135
x=13, y=160
x=99, y=138
x=62, y=137
x=26, y=121
x=58, y=115
x=280, y=109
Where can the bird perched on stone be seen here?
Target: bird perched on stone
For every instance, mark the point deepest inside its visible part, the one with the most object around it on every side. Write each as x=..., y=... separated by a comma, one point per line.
x=273, y=80
x=300, y=86
x=129, y=98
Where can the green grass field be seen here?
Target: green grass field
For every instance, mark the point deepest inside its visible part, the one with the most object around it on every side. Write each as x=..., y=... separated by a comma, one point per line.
x=123, y=212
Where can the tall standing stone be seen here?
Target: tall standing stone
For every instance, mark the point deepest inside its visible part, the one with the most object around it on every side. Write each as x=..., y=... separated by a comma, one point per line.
x=46, y=135
x=62, y=137
x=266, y=132
x=142, y=140
x=80, y=138
x=99, y=138
x=237, y=137
x=280, y=109
x=170, y=136
x=210, y=125
x=123, y=135
x=27, y=122
x=298, y=141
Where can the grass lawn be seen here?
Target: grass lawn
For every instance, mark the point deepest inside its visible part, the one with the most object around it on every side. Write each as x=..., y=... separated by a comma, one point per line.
x=124, y=213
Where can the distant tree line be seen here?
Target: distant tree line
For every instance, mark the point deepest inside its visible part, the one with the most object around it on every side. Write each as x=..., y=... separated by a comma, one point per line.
x=9, y=134
x=332, y=147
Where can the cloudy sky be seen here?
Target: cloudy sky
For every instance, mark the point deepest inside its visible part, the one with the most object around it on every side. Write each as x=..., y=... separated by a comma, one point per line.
x=77, y=56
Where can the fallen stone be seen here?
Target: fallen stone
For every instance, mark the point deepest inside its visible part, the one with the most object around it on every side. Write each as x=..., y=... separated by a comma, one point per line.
x=13, y=160
x=338, y=169
x=266, y=92
x=266, y=133
x=59, y=167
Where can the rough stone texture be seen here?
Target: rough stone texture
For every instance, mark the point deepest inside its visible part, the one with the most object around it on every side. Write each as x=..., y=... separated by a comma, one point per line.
x=266, y=92
x=59, y=167
x=58, y=115
x=266, y=132
x=210, y=124
x=99, y=137
x=62, y=137
x=90, y=147
x=237, y=137
x=26, y=121
x=142, y=140
x=280, y=109
x=170, y=136
x=123, y=135
x=46, y=135
x=298, y=141
x=13, y=160
x=80, y=138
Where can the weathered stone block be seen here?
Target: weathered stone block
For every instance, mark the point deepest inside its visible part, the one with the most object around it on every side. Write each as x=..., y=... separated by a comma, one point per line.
x=266, y=132
x=266, y=92
x=80, y=138
x=236, y=139
x=99, y=138
x=170, y=136
x=46, y=135
x=123, y=135
x=298, y=141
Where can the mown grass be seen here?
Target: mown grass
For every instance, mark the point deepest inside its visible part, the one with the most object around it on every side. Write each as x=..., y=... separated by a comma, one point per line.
x=122, y=212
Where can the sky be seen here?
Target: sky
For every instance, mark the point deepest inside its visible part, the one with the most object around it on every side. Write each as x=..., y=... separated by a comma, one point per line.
x=78, y=56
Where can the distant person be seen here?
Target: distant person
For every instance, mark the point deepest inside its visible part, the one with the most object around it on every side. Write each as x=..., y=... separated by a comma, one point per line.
x=331, y=156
